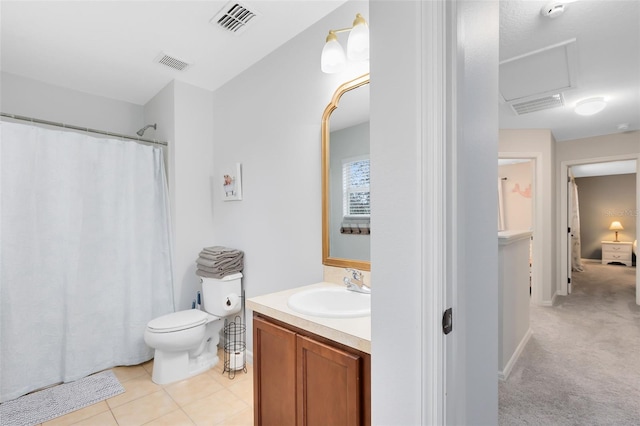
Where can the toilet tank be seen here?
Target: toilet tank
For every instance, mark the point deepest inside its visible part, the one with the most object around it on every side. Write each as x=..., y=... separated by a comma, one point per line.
x=222, y=297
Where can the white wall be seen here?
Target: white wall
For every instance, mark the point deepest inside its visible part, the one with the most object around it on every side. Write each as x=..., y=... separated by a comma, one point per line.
x=402, y=141
x=160, y=110
x=513, y=315
x=396, y=255
x=183, y=113
x=194, y=181
x=518, y=195
x=540, y=142
x=35, y=99
x=268, y=118
x=598, y=147
x=475, y=212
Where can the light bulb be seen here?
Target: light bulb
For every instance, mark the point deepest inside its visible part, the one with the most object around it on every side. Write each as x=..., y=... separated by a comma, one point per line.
x=333, y=59
x=358, y=43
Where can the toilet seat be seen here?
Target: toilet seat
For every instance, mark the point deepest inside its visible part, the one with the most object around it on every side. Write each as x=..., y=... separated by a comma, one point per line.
x=177, y=321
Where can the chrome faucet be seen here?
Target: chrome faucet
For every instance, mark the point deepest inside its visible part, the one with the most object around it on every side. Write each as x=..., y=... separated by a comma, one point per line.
x=356, y=282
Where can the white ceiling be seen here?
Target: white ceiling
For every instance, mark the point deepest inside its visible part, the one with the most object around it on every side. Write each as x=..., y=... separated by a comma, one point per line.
x=605, y=61
x=107, y=48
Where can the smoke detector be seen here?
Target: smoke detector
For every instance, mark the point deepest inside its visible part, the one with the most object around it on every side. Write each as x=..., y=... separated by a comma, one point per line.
x=552, y=9
x=234, y=17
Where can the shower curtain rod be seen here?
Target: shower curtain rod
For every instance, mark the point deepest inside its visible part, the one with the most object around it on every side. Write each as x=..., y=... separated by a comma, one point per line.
x=83, y=129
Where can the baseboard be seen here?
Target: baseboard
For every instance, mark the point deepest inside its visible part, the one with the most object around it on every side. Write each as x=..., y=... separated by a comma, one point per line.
x=504, y=374
x=550, y=302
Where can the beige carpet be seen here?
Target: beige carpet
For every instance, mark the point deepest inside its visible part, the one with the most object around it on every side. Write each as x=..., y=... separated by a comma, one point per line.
x=582, y=364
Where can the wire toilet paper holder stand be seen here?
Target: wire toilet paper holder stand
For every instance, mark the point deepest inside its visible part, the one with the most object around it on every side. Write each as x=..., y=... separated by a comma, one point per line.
x=235, y=346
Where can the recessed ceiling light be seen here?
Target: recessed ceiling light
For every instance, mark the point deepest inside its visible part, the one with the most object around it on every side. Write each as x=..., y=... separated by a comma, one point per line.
x=590, y=106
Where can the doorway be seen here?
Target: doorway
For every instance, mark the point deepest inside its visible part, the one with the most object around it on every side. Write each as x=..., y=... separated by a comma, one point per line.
x=532, y=193
x=626, y=215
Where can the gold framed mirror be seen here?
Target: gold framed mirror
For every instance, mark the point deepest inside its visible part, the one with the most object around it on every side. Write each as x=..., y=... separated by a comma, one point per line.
x=346, y=212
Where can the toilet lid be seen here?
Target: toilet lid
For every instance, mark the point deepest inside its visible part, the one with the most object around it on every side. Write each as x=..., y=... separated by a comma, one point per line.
x=178, y=321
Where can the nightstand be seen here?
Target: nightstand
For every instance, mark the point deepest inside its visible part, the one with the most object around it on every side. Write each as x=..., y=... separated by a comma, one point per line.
x=616, y=252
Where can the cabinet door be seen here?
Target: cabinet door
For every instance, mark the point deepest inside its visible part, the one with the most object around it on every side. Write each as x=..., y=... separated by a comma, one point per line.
x=329, y=385
x=274, y=374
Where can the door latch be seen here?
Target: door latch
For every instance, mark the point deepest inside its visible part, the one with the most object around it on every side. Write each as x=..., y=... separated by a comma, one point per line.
x=447, y=321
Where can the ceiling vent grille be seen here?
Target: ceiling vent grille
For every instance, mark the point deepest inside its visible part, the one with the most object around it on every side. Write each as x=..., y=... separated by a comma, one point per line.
x=538, y=104
x=172, y=62
x=234, y=18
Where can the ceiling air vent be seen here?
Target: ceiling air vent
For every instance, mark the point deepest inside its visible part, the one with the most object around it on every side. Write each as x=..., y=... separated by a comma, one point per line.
x=234, y=18
x=538, y=104
x=172, y=62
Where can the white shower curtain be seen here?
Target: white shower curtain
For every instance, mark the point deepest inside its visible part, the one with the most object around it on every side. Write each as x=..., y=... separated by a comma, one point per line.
x=85, y=257
x=576, y=245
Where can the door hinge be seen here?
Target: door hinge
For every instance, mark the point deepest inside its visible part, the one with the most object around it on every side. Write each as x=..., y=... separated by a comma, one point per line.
x=447, y=321
x=568, y=280
x=569, y=230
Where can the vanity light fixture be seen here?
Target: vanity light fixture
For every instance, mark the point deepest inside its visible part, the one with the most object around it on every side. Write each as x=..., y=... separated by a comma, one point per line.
x=616, y=226
x=333, y=59
x=590, y=106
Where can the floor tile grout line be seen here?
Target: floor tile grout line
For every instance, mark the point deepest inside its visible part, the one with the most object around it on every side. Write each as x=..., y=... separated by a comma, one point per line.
x=180, y=407
x=136, y=399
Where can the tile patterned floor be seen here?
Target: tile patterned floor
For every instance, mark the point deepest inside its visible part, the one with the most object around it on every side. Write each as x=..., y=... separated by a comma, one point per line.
x=210, y=398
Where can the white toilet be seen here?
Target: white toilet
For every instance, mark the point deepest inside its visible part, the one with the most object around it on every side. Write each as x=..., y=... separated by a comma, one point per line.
x=186, y=342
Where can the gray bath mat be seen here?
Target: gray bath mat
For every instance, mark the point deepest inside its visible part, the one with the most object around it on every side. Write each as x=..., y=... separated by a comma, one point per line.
x=56, y=401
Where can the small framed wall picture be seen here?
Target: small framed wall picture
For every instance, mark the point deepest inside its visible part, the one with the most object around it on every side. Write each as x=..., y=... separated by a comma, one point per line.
x=232, y=183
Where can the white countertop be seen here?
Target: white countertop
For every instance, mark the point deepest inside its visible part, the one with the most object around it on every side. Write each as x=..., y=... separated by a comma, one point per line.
x=353, y=332
x=508, y=237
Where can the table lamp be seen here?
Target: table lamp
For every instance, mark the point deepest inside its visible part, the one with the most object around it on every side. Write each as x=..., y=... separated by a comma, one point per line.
x=616, y=226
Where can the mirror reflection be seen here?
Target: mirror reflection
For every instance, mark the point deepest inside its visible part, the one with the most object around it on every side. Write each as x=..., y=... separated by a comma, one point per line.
x=346, y=167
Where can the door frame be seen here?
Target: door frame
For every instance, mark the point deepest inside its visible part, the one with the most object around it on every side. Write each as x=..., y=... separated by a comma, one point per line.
x=561, y=289
x=537, y=222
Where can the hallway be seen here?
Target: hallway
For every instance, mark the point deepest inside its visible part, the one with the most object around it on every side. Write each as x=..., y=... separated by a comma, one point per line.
x=582, y=363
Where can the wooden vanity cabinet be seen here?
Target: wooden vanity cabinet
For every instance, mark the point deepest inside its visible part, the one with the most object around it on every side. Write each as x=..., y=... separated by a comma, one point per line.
x=304, y=379
x=274, y=374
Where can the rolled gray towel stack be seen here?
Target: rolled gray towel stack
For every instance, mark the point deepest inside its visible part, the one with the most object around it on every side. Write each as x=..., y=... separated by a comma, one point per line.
x=218, y=262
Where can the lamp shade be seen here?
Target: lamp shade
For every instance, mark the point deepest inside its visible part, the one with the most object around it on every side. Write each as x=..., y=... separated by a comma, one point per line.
x=333, y=59
x=615, y=226
x=358, y=43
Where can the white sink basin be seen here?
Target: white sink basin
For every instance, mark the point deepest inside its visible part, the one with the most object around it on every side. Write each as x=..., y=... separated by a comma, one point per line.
x=331, y=302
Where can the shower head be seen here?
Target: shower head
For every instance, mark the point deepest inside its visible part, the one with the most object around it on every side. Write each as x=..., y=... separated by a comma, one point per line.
x=141, y=131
